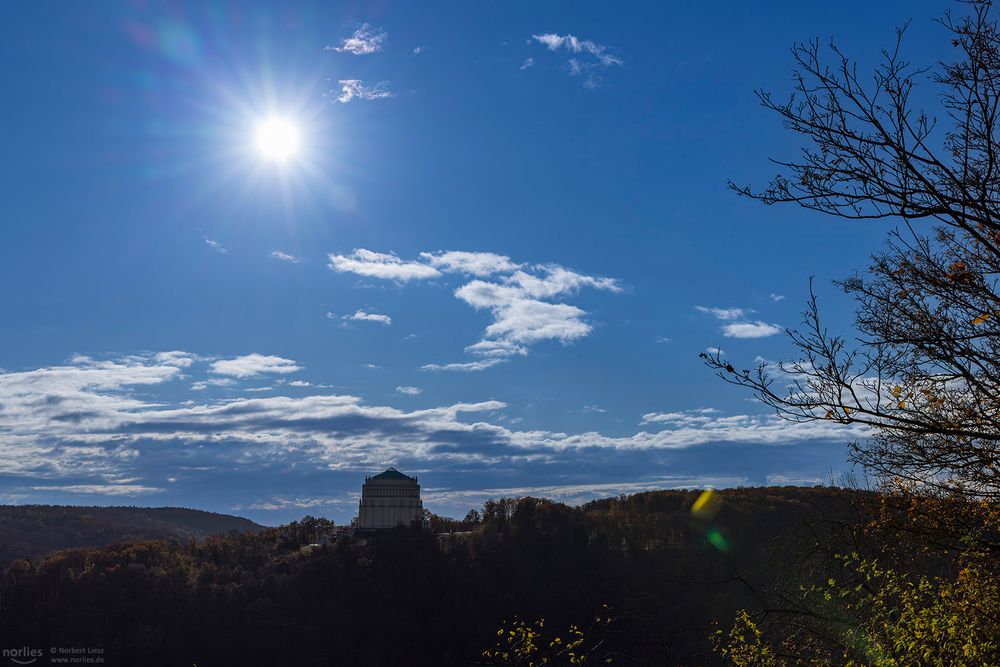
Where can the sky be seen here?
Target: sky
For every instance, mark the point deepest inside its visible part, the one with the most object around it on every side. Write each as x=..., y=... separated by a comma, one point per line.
x=500, y=239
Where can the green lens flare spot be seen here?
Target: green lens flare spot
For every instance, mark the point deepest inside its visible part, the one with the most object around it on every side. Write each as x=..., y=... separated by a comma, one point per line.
x=717, y=540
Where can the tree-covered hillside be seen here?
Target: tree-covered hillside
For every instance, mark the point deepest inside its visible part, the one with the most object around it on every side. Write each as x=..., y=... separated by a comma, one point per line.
x=32, y=530
x=668, y=564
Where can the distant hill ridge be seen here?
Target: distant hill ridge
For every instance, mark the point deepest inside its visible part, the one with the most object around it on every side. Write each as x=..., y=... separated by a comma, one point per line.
x=33, y=530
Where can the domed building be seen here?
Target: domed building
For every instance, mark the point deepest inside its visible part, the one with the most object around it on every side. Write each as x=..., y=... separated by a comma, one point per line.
x=389, y=499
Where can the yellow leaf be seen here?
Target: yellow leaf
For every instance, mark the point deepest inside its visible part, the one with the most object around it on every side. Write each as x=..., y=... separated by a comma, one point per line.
x=982, y=318
x=902, y=405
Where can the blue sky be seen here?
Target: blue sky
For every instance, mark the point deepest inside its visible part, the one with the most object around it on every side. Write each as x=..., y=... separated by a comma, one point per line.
x=493, y=262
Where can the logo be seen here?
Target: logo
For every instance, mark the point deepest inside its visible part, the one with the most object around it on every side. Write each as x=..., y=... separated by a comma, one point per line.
x=22, y=656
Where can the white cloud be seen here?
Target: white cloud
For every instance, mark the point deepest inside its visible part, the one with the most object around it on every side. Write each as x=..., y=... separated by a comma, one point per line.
x=555, y=280
x=474, y=263
x=202, y=385
x=659, y=417
x=528, y=62
x=361, y=316
x=756, y=329
x=356, y=89
x=409, y=391
x=464, y=367
x=364, y=41
x=387, y=266
x=98, y=426
x=176, y=358
x=723, y=313
x=251, y=365
x=417, y=50
x=215, y=245
x=519, y=297
x=716, y=351
x=285, y=257
x=589, y=57
x=81, y=393
x=527, y=321
x=101, y=489
x=497, y=348
x=777, y=297
x=687, y=418
x=750, y=330
x=283, y=503
x=521, y=317
x=574, y=45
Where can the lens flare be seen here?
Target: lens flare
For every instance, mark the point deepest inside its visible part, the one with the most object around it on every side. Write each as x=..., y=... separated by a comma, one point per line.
x=717, y=540
x=707, y=505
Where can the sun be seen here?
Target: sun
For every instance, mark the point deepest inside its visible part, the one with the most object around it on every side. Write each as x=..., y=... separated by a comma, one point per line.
x=277, y=139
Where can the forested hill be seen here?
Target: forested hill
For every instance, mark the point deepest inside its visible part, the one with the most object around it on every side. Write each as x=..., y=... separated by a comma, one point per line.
x=668, y=564
x=32, y=530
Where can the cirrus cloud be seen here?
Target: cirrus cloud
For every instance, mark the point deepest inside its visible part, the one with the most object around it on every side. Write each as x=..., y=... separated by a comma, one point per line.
x=362, y=42
x=351, y=89
x=285, y=257
x=589, y=57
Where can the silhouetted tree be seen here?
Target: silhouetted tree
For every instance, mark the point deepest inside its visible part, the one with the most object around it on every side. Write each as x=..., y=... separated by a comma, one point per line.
x=924, y=371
